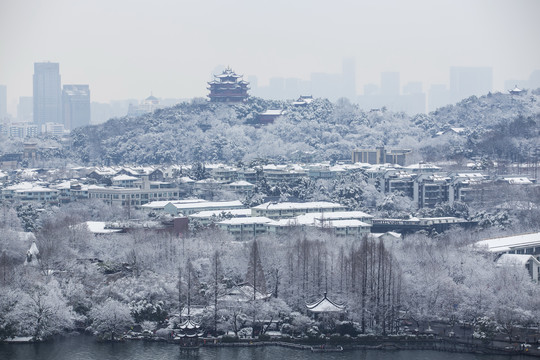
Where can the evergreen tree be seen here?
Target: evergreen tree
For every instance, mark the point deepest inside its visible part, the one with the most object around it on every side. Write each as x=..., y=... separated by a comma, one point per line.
x=255, y=272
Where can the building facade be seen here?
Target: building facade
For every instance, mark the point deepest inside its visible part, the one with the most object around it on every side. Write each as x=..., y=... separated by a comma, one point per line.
x=76, y=106
x=47, y=94
x=380, y=155
x=3, y=101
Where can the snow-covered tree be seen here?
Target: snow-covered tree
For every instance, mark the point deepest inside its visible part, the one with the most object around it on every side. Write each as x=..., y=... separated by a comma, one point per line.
x=110, y=319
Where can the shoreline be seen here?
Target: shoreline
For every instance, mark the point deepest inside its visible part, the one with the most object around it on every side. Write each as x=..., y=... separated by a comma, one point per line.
x=364, y=343
x=443, y=345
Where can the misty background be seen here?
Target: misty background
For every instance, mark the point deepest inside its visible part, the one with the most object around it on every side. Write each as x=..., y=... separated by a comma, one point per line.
x=127, y=50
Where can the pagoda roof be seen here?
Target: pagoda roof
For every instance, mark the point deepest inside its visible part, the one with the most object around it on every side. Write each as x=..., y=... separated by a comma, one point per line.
x=325, y=305
x=516, y=90
x=189, y=325
x=233, y=75
x=189, y=329
x=228, y=72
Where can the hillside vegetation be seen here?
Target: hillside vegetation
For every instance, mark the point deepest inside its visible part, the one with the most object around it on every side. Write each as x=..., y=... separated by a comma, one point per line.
x=499, y=126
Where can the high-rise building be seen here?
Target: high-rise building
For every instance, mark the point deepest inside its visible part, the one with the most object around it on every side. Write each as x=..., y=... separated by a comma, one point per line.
x=390, y=84
x=467, y=81
x=413, y=100
x=349, y=78
x=25, y=109
x=76, y=106
x=3, y=101
x=47, y=93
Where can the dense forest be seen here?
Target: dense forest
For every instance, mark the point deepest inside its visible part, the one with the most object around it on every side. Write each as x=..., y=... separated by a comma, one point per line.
x=497, y=126
x=108, y=283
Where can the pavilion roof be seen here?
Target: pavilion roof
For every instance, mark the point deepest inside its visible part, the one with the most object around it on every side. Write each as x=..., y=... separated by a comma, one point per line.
x=189, y=325
x=325, y=305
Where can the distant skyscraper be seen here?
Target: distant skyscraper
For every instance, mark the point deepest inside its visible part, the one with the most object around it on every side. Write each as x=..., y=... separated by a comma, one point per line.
x=25, y=109
x=3, y=101
x=76, y=106
x=467, y=81
x=349, y=78
x=390, y=84
x=254, y=82
x=439, y=96
x=413, y=100
x=326, y=85
x=47, y=93
x=532, y=83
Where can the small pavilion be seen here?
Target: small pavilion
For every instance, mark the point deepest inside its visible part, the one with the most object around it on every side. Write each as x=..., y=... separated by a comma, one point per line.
x=188, y=334
x=325, y=306
x=517, y=91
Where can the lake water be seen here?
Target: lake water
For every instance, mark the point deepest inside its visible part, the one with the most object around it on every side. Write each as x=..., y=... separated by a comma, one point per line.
x=86, y=348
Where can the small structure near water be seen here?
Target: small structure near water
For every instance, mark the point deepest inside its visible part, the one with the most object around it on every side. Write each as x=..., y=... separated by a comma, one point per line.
x=325, y=306
x=188, y=334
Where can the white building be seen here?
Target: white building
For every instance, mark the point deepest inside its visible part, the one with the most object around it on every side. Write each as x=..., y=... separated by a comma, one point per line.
x=134, y=196
x=27, y=191
x=528, y=244
x=246, y=227
x=291, y=209
x=191, y=208
x=528, y=261
x=206, y=217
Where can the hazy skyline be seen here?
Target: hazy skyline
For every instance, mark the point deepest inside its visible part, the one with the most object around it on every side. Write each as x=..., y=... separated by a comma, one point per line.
x=127, y=49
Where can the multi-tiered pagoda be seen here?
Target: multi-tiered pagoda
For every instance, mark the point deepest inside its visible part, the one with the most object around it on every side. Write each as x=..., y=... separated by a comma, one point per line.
x=228, y=87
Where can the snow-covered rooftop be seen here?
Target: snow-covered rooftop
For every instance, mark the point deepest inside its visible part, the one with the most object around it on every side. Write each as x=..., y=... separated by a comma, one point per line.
x=388, y=233
x=295, y=205
x=161, y=204
x=124, y=177
x=241, y=183
x=273, y=112
x=98, y=227
x=508, y=243
x=351, y=223
x=518, y=180
x=233, y=212
x=471, y=175
x=186, y=179
x=422, y=166
x=207, y=204
x=246, y=221
x=515, y=259
x=324, y=305
x=308, y=219
x=28, y=186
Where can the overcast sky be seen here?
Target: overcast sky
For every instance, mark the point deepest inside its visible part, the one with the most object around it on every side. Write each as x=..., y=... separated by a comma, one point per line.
x=127, y=48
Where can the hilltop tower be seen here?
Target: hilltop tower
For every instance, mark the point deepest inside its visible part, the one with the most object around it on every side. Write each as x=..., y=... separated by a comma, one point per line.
x=228, y=87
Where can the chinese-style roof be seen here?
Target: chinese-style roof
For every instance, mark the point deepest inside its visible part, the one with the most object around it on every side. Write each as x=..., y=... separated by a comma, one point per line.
x=189, y=329
x=228, y=87
x=325, y=305
x=189, y=325
x=516, y=90
x=228, y=72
